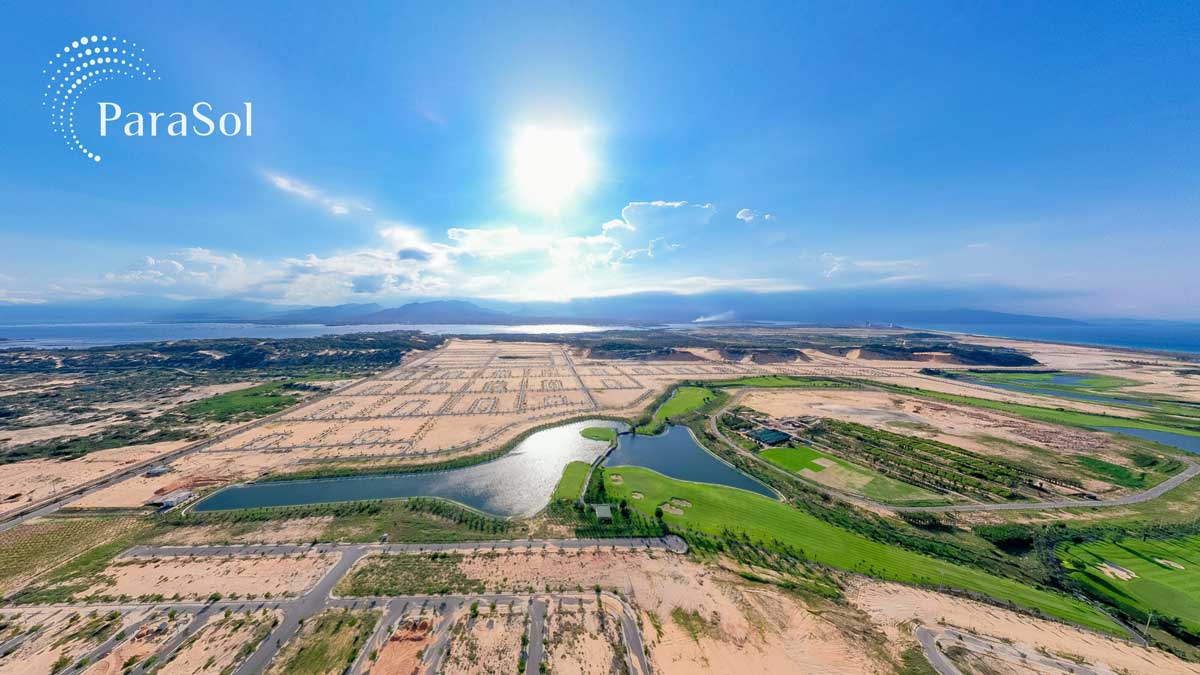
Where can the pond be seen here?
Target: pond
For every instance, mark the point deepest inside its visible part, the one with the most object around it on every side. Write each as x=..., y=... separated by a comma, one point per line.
x=675, y=454
x=518, y=484
x=1181, y=441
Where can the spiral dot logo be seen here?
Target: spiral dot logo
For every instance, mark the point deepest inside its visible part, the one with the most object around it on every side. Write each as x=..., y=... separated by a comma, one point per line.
x=82, y=64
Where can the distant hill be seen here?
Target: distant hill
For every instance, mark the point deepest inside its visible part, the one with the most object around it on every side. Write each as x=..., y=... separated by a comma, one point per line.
x=436, y=311
x=325, y=315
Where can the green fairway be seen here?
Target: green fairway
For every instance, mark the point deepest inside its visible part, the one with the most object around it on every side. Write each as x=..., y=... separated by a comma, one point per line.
x=599, y=434
x=715, y=509
x=839, y=474
x=570, y=486
x=767, y=381
x=244, y=404
x=1160, y=586
x=684, y=400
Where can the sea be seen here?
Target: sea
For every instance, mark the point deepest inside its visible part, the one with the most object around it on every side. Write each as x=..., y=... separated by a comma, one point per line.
x=84, y=335
x=1167, y=336
x=1170, y=336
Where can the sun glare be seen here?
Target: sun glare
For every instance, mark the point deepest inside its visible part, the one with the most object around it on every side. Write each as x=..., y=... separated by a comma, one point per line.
x=550, y=166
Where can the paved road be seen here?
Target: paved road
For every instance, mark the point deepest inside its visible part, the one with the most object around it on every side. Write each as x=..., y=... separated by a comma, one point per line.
x=933, y=654
x=1191, y=470
x=1020, y=656
x=537, y=636
x=309, y=604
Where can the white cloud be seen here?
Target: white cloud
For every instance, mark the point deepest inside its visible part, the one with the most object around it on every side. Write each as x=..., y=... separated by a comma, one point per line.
x=336, y=206
x=750, y=215
x=873, y=271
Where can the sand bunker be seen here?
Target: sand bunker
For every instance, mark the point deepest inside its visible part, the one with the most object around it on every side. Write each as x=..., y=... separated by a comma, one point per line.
x=1169, y=563
x=1116, y=571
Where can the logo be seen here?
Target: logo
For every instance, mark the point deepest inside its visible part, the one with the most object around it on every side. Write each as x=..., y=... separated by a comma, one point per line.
x=94, y=59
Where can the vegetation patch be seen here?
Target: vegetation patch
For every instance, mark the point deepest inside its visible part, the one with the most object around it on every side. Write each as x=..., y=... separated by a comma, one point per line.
x=605, y=434
x=246, y=404
x=404, y=574
x=570, y=486
x=328, y=644
x=726, y=512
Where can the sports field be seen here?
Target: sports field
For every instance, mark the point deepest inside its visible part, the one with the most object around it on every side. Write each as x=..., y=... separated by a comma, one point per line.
x=1163, y=575
x=713, y=509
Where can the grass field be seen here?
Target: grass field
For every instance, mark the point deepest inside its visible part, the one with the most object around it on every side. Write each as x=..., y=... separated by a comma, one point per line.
x=327, y=645
x=715, y=509
x=684, y=400
x=570, y=486
x=599, y=434
x=837, y=473
x=243, y=404
x=1160, y=586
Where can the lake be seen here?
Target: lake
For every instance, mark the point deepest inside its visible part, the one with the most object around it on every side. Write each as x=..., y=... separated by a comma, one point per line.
x=518, y=484
x=1181, y=441
x=1058, y=378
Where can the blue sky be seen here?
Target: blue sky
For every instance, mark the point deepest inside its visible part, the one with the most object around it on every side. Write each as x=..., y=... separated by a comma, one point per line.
x=1043, y=153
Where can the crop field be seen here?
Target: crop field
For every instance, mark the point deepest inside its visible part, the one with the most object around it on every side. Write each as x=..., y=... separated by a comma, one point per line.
x=838, y=473
x=38, y=546
x=570, y=486
x=714, y=510
x=328, y=644
x=1053, y=380
x=1163, y=575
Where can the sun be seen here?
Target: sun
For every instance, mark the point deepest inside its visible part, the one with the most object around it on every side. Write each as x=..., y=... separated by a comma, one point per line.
x=550, y=166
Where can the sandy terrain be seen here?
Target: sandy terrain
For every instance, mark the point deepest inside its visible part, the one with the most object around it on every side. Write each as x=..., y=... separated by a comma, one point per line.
x=197, y=577
x=583, y=639
x=139, y=646
x=33, y=480
x=490, y=643
x=269, y=532
x=965, y=427
x=401, y=654
x=891, y=605
x=37, y=655
x=749, y=628
x=215, y=646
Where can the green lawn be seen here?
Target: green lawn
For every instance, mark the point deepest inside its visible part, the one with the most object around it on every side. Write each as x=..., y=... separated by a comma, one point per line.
x=715, y=509
x=243, y=404
x=847, y=476
x=1159, y=586
x=684, y=400
x=570, y=486
x=599, y=434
